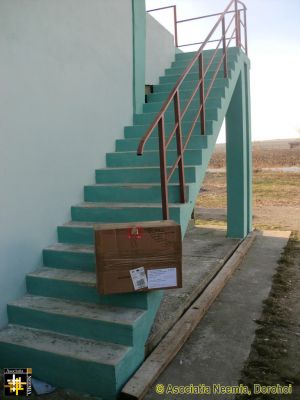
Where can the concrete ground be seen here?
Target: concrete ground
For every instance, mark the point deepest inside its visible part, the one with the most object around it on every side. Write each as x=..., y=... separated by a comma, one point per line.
x=205, y=250
x=220, y=345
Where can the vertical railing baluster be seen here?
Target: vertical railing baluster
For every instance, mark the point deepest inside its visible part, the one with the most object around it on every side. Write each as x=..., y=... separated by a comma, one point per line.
x=175, y=26
x=245, y=31
x=236, y=23
x=224, y=48
x=239, y=29
x=163, y=167
x=179, y=147
x=202, y=102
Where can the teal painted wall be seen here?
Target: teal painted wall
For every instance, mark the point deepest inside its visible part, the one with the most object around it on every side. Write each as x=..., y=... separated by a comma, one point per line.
x=139, y=53
x=66, y=94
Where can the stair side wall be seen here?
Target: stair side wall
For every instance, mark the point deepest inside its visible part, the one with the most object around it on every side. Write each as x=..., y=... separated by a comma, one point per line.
x=158, y=57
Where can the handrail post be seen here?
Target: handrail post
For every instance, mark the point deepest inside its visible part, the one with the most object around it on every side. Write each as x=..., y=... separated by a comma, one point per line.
x=224, y=48
x=237, y=27
x=163, y=167
x=179, y=147
x=245, y=31
x=175, y=26
x=202, y=105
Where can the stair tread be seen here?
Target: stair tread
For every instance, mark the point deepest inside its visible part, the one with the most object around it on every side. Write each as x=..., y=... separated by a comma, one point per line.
x=145, y=151
x=178, y=71
x=81, y=224
x=182, y=91
x=131, y=185
x=97, y=312
x=171, y=124
x=65, y=345
x=137, y=168
x=159, y=84
x=80, y=248
x=192, y=107
x=123, y=205
x=70, y=275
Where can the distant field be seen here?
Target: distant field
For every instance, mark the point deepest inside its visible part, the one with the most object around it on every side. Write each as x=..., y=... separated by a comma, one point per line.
x=276, y=194
x=266, y=154
x=269, y=188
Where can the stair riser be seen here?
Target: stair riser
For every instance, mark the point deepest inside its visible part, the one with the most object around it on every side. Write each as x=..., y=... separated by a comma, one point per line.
x=140, y=175
x=78, y=234
x=189, y=85
x=63, y=371
x=137, y=131
x=82, y=327
x=184, y=94
x=69, y=259
x=148, y=118
x=101, y=214
x=191, y=157
x=210, y=103
x=196, y=142
x=128, y=194
x=80, y=292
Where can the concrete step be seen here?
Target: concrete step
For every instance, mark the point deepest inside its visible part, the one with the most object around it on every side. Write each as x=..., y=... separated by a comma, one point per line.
x=207, y=54
x=148, y=118
x=189, y=85
x=140, y=174
x=212, y=102
x=89, y=320
x=130, y=192
x=73, y=256
x=150, y=158
x=68, y=361
x=122, y=212
x=195, y=142
x=179, y=67
x=138, y=131
x=193, y=75
x=185, y=93
x=79, y=285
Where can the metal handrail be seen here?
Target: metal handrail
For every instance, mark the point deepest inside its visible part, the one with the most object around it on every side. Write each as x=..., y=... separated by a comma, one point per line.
x=174, y=19
x=159, y=120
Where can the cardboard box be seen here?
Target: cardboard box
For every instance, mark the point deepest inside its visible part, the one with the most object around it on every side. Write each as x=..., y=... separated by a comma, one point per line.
x=139, y=256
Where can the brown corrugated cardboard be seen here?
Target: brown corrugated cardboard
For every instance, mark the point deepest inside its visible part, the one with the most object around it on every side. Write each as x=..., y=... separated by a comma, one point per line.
x=138, y=256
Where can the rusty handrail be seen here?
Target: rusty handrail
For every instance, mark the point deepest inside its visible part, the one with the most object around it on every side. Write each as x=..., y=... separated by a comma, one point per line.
x=159, y=120
x=174, y=20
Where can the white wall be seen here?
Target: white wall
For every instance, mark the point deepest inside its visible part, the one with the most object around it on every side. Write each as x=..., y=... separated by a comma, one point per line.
x=160, y=50
x=66, y=94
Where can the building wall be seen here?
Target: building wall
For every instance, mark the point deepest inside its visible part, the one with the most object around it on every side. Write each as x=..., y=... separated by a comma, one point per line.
x=160, y=50
x=66, y=94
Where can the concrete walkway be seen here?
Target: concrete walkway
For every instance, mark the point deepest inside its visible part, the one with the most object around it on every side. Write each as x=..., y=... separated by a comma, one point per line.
x=204, y=251
x=218, y=348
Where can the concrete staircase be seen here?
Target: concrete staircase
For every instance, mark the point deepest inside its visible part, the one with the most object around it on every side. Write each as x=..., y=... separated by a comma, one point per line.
x=70, y=335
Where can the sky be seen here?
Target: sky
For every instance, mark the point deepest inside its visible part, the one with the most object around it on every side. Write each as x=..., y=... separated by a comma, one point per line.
x=274, y=52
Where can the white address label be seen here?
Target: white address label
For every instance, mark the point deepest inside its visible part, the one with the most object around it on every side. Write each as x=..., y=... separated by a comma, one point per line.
x=160, y=278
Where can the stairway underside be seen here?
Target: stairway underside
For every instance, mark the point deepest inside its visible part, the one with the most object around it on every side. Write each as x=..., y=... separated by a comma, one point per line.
x=70, y=335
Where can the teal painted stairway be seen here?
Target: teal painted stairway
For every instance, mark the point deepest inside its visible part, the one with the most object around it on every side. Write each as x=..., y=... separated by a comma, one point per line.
x=70, y=335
